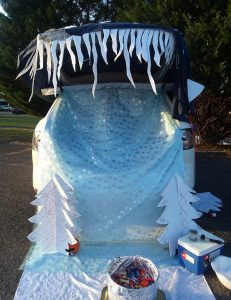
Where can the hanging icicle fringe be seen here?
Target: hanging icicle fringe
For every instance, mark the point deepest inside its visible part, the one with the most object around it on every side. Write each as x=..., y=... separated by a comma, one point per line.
x=125, y=41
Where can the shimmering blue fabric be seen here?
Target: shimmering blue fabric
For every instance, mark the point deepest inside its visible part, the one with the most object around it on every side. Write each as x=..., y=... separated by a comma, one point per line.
x=118, y=150
x=93, y=258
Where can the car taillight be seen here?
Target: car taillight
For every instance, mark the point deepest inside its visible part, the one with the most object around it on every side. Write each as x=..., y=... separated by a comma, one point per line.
x=188, y=142
x=35, y=141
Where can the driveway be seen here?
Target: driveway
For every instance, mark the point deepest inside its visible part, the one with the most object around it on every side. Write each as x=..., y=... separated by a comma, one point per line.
x=16, y=193
x=214, y=175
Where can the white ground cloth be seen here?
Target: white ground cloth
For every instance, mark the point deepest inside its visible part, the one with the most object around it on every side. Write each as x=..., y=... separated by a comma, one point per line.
x=176, y=282
x=118, y=151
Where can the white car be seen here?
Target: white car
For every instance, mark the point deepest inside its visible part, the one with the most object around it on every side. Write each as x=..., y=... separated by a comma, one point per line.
x=6, y=108
x=118, y=129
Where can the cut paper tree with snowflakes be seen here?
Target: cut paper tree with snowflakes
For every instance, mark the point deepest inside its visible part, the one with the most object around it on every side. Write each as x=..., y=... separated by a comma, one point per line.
x=178, y=214
x=55, y=230
x=67, y=192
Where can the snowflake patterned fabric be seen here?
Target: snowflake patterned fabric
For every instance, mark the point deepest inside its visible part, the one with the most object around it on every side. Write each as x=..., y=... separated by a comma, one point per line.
x=118, y=150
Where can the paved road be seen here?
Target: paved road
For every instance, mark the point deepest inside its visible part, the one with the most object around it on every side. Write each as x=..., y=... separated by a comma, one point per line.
x=15, y=195
x=214, y=174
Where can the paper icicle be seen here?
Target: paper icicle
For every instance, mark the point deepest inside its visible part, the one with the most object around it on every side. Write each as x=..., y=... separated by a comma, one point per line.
x=40, y=52
x=34, y=68
x=133, y=40
x=127, y=57
x=72, y=55
x=144, y=49
x=152, y=82
x=55, y=64
x=95, y=59
x=77, y=42
x=48, y=50
x=114, y=40
x=161, y=43
x=106, y=33
x=62, y=46
x=121, y=36
x=155, y=40
x=103, y=51
x=87, y=43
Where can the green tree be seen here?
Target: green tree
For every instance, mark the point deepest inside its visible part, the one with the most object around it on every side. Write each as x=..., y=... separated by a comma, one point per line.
x=207, y=29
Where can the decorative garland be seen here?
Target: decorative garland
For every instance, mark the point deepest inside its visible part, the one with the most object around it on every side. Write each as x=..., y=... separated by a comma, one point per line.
x=140, y=41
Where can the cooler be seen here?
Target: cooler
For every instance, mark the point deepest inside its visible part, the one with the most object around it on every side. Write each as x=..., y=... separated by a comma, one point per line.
x=197, y=255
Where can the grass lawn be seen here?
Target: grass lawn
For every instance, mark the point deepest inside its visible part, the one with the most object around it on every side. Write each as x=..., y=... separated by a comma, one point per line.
x=22, y=125
x=23, y=121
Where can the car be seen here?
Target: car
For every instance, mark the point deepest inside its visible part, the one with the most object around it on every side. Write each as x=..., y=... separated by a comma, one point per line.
x=17, y=111
x=118, y=141
x=5, y=108
x=3, y=102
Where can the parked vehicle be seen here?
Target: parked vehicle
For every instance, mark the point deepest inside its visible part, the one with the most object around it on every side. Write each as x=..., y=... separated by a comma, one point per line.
x=17, y=111
x=3, y=102
x=119, y=141
x=5, y=108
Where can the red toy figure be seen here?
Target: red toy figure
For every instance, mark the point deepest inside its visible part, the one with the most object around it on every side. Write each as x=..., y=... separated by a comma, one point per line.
x=73, y=249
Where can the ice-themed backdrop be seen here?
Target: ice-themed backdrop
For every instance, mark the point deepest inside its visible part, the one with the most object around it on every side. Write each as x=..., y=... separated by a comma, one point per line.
x=118, y=150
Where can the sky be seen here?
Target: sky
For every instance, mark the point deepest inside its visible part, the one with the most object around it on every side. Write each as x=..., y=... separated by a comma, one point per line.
x=1, y=10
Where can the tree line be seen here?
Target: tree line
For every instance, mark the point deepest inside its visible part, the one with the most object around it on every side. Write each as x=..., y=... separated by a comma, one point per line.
x=206, y=25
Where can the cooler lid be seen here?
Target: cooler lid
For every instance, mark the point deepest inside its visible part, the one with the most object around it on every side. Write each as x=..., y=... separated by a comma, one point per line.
x=200, y=247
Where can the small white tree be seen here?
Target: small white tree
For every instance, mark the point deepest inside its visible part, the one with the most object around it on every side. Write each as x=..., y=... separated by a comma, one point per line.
x=53, y=218
x=178, y=214
x=67, y=193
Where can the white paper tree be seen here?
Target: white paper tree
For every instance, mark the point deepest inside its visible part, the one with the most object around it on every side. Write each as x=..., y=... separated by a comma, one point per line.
x=178, y=214
x=53, y=218
x=67, y=192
